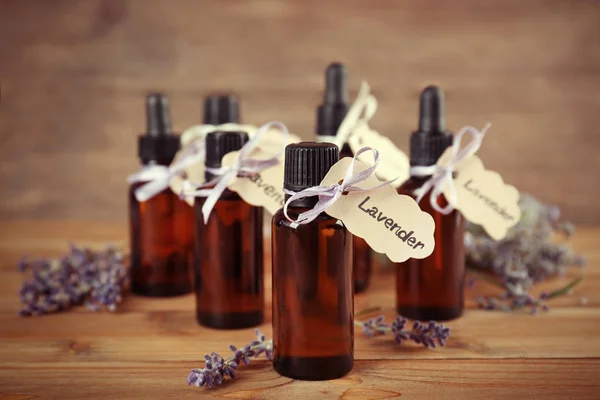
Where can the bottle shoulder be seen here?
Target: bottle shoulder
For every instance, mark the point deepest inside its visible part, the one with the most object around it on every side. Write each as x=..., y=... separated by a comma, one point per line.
x=279, y=218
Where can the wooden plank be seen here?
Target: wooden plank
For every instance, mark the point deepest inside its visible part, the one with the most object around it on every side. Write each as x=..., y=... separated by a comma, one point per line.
x=169, y=334
x=382, y=379
x=74, y=75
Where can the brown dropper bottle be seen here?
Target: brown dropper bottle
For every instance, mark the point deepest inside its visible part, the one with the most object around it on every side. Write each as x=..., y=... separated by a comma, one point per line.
x=313, y=309
x=161, y=228
x=228, y=262
x=330, y=115
x=432, y=288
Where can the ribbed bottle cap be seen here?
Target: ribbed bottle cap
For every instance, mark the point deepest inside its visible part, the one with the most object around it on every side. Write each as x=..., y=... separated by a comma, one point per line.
x=430, y=141
x=158, y=143
x=220, y=143
x=221, y=109
x=307, y=163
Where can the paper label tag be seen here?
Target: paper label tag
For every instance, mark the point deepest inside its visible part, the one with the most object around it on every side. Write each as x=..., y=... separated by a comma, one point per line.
x=264, y=189
x=390, y=223
x=482, y=196
x=271, y=143
x=394, y=163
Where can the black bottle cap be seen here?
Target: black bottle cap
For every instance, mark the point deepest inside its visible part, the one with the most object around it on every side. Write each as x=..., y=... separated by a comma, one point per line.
x=220, y=143
x=221, y=109
x=158, y=143
x=332, y=112
x=431, y=139
x=307, y=163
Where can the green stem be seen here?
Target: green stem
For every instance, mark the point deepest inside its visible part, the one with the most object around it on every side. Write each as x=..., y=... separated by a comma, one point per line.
x=565, y=289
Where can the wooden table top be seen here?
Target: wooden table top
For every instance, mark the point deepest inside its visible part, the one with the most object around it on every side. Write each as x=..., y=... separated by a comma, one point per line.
x=146, y=349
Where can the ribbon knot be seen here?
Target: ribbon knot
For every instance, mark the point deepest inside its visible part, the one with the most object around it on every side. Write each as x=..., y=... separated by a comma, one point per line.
x=329, y=194
x=442, y=176
x=158, y=177
x=243, y=166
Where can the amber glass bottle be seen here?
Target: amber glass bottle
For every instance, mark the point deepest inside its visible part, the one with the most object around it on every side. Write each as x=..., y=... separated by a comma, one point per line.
x=228, y=262
x=330, y=115
x=161, y=228
x=432, y=288
x=313, y=310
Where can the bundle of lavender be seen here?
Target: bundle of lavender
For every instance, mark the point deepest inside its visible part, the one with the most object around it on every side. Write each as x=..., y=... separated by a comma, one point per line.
x=96, y=279
x=528, y=254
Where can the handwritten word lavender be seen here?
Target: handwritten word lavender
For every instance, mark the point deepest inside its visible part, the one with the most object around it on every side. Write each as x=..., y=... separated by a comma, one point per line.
x=96, y=279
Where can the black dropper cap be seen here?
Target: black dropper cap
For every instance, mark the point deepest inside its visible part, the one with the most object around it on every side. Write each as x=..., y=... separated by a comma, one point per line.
x=220, y=143
x=221, y=109
x=332, y=112
x=158, y=143
x=431, y=139
x=307, y=163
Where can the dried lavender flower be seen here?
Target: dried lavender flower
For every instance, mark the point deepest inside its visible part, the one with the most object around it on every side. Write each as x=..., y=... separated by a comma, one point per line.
x=525, y=256
x=429, y=334
x=97, y=279
x=216, y=368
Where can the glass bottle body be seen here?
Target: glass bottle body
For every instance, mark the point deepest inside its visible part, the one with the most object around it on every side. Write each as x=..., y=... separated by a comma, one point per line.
x=313, y=297
x=433, y=288
x=362, y=255
x=228, y=264
x=162, y=238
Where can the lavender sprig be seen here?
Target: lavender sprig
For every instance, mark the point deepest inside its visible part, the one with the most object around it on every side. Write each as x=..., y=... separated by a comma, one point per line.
x=96, y=279
x=509, y=301
x=525, y=256
x=216, y=368
x=421, y=333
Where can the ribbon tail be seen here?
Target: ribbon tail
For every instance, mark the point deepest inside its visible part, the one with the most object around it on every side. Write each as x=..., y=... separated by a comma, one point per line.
x=151, y=189
x=214, y=196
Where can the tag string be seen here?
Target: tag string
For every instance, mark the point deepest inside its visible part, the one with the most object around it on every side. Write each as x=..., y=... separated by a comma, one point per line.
x=442, y=175
x=242, y=166
x=359, y=114
x=158, y=177
x=331, y=193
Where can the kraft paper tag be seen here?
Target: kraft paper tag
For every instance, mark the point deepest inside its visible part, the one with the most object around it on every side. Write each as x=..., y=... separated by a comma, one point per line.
x=394, y=163
x=482, y=196
x=264, y=189
x=390, y=223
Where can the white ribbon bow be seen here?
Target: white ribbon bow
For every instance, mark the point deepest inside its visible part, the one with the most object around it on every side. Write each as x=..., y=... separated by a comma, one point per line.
x=243, y=166
x=442, y=176
x=158, y=177
x=358, y=116
x=329, y=194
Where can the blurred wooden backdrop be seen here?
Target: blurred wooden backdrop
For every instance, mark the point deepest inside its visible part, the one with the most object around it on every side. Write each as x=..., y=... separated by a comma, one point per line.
x=74, y=75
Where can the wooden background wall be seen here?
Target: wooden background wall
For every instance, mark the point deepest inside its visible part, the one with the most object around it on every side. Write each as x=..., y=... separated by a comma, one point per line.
x=74, y=75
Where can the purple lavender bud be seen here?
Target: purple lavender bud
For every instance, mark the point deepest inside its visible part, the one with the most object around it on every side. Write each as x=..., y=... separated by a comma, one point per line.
x=192, y=378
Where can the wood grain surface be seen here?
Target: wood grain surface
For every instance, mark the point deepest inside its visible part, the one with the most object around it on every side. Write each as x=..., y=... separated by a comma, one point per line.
x=146, y=349
x=74, y=75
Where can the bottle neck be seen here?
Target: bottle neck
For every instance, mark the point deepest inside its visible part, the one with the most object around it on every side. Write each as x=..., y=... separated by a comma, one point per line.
x=306, y=202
